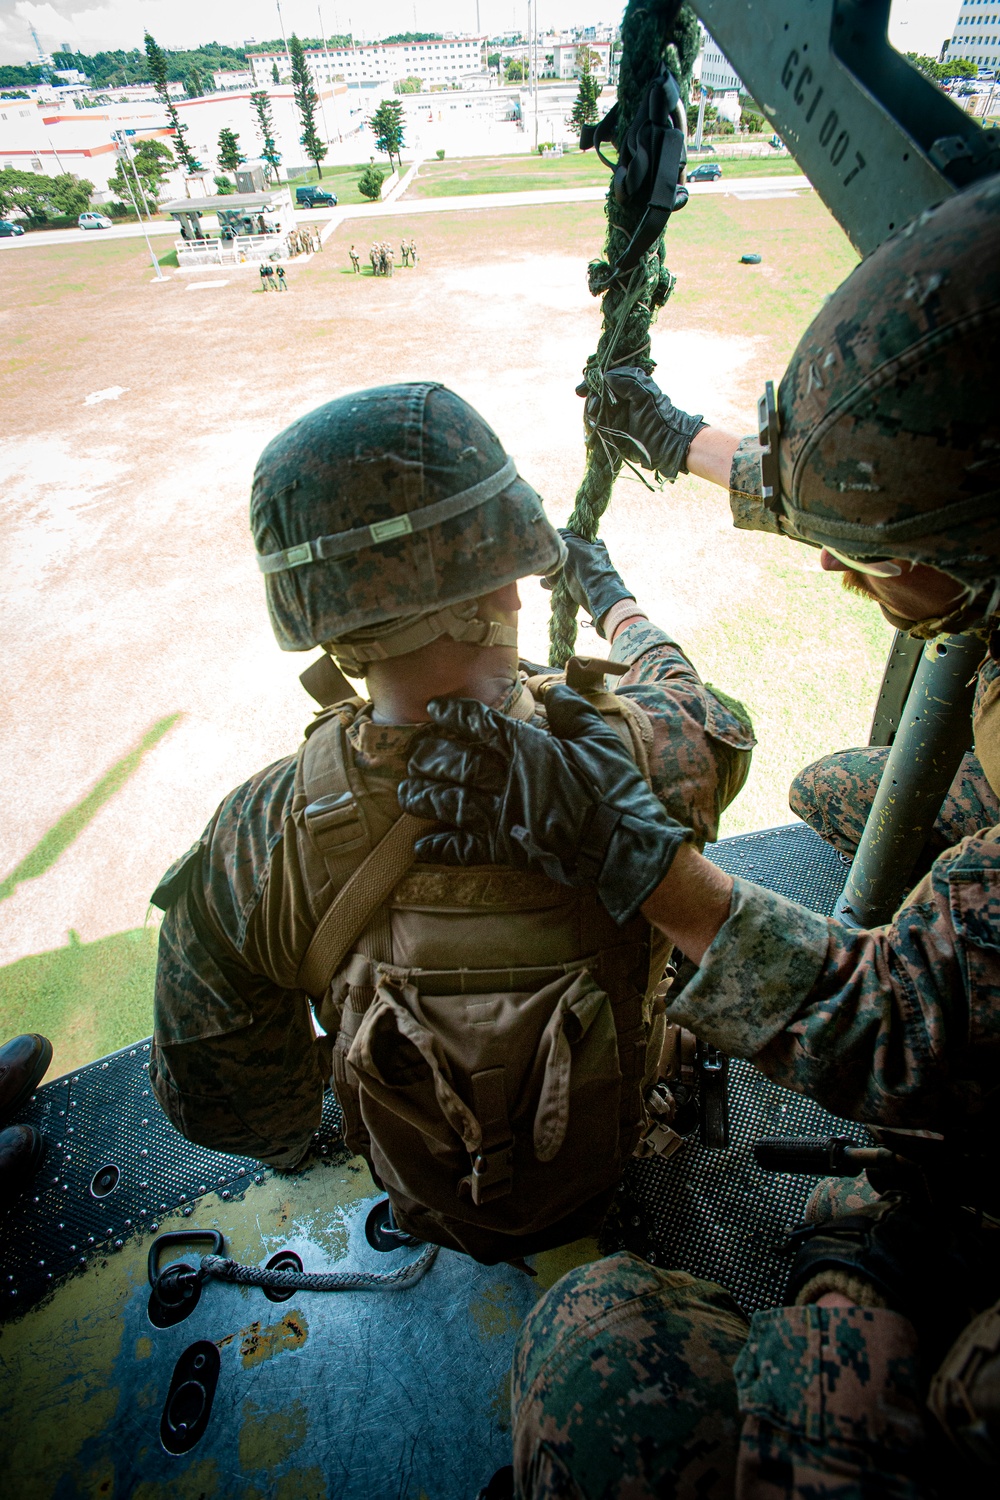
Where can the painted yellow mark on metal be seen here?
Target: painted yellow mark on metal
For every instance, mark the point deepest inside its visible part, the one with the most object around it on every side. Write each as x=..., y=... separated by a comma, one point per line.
x=258, y=1344
x=99, y=1484
x=143, y=1348
x=269, y=1438
x=194, y=1483
x=500, y=1404
x=60, y=1387
x=300, y=1484
x=495, y=1312
x=551, y=1264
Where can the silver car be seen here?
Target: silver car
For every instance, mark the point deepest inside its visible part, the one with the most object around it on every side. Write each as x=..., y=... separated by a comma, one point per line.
x=94, y=221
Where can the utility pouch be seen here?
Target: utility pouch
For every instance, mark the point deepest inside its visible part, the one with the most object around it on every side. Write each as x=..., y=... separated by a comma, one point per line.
x=652, y=155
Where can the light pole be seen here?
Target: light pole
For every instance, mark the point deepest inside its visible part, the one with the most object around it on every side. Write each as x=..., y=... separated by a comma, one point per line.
x=124, y=156
x=333, y=91
x=281, y=23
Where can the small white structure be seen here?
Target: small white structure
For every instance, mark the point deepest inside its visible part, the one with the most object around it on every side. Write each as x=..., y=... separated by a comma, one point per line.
x=253, y=227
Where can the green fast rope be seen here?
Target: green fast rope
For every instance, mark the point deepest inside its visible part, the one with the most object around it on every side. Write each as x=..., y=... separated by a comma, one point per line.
x=652, y=30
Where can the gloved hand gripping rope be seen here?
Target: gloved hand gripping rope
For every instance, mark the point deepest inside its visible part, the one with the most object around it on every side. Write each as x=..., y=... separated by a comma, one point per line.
x=634, y=281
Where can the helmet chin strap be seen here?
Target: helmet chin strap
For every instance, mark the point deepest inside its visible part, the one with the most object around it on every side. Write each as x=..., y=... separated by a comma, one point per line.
x=972, y=608
x=399, y=637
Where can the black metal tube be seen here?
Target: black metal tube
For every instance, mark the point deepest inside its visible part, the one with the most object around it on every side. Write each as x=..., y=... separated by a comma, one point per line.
x=934, y=734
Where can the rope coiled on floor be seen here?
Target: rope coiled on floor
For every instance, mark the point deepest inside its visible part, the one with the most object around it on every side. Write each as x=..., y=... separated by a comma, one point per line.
x=652, y=31
x=319, y=1281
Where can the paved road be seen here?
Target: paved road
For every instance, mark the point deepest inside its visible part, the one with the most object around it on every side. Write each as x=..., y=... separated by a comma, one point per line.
x=741, y=187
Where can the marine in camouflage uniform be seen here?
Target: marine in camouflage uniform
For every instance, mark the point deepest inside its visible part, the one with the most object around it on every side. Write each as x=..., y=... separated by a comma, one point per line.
x=235, y=1061
x=889, y=454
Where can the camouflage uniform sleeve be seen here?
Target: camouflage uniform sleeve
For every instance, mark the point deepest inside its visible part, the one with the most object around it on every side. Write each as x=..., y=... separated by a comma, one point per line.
x=702, y=740
x=889, y=1026
x=748, y=508
x=225, y=1007
x=831, y=1401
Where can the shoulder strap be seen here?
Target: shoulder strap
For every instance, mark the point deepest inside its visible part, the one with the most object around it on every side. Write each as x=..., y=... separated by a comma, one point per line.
x=355, y=903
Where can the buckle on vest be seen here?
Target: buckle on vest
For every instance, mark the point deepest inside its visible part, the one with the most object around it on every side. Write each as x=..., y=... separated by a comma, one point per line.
x=492, y=1174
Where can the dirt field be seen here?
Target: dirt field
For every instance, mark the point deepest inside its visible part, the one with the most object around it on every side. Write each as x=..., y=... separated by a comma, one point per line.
x=141, y=678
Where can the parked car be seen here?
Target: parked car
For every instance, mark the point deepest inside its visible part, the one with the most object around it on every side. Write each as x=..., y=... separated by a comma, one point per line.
x=94, y=221
x=311, y=197
x=8, y=227
x=707, y=172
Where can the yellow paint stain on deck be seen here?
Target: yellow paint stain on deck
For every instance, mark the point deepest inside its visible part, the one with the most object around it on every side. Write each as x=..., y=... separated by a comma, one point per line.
x=60, y=1387
x=99, y=1484
x=195, y=1483
x=259, y=1344
x=300, y=1484
x=551, y=1264
x=495, y=1312
x=269, y=1438
x=500, y=1404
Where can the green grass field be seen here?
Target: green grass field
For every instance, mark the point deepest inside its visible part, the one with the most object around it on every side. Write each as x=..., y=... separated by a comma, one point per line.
x=343, y=181
x=518, y=174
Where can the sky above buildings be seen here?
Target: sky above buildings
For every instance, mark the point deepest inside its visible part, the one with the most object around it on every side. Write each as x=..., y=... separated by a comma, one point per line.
x=916, y=25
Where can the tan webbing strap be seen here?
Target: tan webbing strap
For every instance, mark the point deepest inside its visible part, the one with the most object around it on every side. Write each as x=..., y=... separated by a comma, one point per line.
x=356, y=902
x=492, y=1170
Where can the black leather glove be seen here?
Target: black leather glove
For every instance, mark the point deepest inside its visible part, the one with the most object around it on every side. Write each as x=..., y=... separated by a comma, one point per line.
x=928, y=1264
x=642, y=422
x=590, y=576
x=570, y=803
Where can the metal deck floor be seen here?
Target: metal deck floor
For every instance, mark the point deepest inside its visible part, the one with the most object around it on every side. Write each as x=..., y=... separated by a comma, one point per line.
x=360, y=1395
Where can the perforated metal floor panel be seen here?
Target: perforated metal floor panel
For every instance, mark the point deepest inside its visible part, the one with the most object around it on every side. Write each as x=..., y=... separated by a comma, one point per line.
x=714, y=1213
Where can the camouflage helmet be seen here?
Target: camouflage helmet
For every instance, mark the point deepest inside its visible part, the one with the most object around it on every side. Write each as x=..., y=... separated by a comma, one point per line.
x=889, y=423
x=394, y=504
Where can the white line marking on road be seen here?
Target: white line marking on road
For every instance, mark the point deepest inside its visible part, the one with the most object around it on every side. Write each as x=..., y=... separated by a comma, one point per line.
x=202, y=286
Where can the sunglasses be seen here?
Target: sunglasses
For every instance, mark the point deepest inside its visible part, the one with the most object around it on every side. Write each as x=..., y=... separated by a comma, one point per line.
x=876, y=567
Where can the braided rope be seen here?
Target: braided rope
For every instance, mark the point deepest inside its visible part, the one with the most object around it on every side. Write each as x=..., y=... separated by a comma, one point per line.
x=652, y=30
x=318, y=1281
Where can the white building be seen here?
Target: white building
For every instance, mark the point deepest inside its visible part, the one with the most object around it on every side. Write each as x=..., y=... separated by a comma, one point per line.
x=977, y=33
x=442, y=63
x=41, y=138
x=237, y=79
x=564, y=63
x=716, y=71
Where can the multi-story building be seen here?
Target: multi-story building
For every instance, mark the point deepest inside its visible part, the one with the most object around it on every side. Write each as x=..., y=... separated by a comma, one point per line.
x=444, y=62
x=977, y=34
x=717, y=72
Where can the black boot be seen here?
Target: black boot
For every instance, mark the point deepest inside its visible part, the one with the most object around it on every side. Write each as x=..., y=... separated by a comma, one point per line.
x=22, y=1151
x=23, y=1063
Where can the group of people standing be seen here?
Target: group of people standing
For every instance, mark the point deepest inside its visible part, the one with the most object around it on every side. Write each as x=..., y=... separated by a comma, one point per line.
x=304, y=241
x=272, y=278
x=383, y=257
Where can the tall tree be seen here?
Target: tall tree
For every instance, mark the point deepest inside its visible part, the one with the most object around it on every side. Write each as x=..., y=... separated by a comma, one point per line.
x=387, y=126
x=306, y=99
x=265, y=124
x=230, y=156
x=193, y=84
x=151, y=162
x=70, y=195
x=29, y=192
x=157, y=62
x=275, y=76
x=584, y=110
